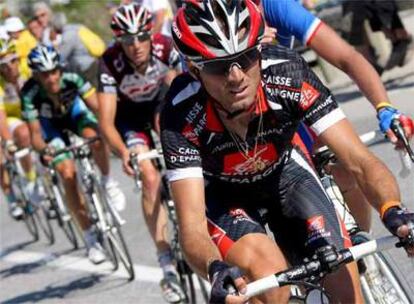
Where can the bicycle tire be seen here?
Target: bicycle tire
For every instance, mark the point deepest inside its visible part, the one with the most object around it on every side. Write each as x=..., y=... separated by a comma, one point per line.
x=102, y=232
x=30, y=222
x=64, y=218
x=117, y=245
x=380, y=282
x=41, y=215
x=116, y=239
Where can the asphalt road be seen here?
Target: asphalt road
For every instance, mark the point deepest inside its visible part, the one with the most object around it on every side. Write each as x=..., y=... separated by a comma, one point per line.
x=36, y=272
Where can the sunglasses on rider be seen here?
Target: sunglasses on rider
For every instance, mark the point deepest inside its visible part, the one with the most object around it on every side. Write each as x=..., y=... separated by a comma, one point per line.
x=222, y=66
x=130, y=39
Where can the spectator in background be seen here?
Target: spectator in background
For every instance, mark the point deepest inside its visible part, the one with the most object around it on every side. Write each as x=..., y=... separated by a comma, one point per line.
x=161, y=11
x=3, y=33
x=382, y=16
x=35, y=28
x=77, y=45
x=23, y=40
x=43, y=14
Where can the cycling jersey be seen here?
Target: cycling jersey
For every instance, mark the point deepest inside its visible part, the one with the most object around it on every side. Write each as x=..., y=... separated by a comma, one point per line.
x=37, y=103
x=195, y=143
x=139, y=95
x=9, y=96
x=118, y=76
x=290, y=18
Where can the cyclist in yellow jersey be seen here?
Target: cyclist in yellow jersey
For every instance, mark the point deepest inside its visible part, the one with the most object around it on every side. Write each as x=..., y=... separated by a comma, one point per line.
x=22, y=38
x=13, y=130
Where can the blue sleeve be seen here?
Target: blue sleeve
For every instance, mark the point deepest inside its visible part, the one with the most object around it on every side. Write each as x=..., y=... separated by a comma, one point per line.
x=290, y=19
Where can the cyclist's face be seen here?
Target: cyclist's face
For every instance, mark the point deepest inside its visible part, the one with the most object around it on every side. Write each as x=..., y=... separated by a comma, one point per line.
x=138, y=51
x=237, y=89
x=9, y=69
x=50, y=80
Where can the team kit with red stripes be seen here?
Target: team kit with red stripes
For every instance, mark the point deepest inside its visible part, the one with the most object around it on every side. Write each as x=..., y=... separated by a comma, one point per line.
x=137, y=93
x=267, y=178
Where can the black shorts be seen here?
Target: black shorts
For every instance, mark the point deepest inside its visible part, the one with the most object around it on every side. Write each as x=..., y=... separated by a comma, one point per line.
x=292, y=202
x=134, y=121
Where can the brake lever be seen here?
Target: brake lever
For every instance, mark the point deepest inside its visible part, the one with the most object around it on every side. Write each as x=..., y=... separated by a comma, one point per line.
x=409, y=240
x=398, y=130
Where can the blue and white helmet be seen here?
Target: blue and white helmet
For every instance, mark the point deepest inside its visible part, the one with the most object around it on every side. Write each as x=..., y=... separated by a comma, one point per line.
x=43, y=58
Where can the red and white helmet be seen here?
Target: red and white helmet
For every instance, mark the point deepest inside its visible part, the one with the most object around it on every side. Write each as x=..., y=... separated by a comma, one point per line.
x=207, y=29
x=131, y=19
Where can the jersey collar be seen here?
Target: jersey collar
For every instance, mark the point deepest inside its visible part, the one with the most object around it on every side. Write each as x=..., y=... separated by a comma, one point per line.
x=213, y=122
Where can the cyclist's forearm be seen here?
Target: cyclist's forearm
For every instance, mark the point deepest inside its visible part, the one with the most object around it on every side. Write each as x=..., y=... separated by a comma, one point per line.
x=4, y=130
x=367, y=79
x=114, y=139
x=377, y=182
x=199, y=250
x=36, y=136
x=347, y=59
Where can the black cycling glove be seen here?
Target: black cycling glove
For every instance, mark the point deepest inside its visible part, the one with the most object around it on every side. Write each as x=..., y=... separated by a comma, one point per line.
x=395, y=217
x=221, y=276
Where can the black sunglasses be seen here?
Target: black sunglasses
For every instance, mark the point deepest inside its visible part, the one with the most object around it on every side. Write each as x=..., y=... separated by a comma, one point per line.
x=130, y=39
x=222, y=66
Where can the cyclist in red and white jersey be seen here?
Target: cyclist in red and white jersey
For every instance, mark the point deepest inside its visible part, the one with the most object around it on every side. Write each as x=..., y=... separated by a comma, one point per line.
x=227, y=139
x=134, y=76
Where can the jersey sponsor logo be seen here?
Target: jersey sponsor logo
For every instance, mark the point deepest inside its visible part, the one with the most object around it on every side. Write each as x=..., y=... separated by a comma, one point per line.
x=316, y=229
x=119, y=63
x=195, y=110
x=46, y=110
x=158, y=50
x=316, y=223
x=284, y=92
x=216, y=233
x=107, y=79
x=192, y=132
x=176, y=30
x=279, y=80
x=239, y=164
x=320, y=107
x=226, y=145
x=308, y=96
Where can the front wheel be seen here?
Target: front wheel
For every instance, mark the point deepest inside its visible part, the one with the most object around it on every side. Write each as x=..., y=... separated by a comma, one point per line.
x=380, y=280
x=43, y=220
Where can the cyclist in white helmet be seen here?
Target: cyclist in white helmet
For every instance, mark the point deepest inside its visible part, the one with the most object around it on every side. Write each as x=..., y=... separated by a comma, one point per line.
x=55, y=101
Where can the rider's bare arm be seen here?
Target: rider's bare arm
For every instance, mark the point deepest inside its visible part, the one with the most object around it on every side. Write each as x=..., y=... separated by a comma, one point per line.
x=374, y=178
x=107, y=111
x=159, y=17
x=36, y=135
x=347, y=59
x=198, y=248
x=171, y=74
x=91, y=101
x=4, y=130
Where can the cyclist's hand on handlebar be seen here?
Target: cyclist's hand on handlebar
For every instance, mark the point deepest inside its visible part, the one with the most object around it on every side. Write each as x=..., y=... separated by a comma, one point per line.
x=47, y=155
x=126, y=164
x=386, y=116
x=10, y=147
x=222, y=276
x=400, y=222
x=269, y=35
